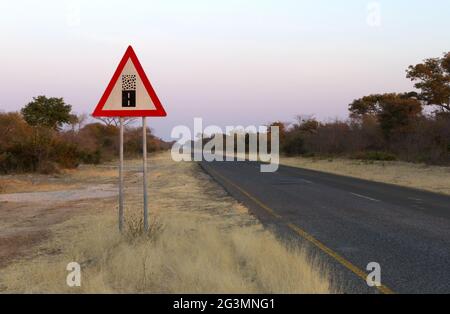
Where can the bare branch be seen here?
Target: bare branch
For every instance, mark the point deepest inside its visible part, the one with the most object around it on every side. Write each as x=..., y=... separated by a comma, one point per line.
x=115, y=121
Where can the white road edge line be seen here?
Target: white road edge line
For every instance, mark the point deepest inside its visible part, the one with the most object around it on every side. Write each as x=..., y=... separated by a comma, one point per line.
x=415, y=199
x=365, y=197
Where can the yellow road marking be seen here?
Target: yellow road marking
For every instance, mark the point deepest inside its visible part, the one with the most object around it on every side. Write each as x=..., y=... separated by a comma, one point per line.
x=341, y=260
x=261, y=204
x=354, y=269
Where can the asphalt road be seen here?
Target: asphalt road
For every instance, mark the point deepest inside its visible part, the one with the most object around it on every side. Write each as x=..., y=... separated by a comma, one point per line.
x=349, y=223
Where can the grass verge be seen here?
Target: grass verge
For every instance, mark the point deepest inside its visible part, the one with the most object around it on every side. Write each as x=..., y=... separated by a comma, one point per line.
x=419, y=176
x=201, y=241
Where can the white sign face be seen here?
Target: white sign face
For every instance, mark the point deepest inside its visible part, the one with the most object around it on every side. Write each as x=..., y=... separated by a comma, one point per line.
x=129, y=93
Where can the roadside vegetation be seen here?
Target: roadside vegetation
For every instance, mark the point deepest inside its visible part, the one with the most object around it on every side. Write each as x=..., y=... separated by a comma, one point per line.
x=412, y=126
x=414, y=175
x=397, y=138
x=45, y=136
x=201, y=241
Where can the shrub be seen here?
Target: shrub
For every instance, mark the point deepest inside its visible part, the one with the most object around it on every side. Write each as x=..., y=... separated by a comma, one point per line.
x=47, y=167
x=294, y=144
x=422, y=139
x=65, y=154
x=38, y=143
x=88, y=157
x=135, y=231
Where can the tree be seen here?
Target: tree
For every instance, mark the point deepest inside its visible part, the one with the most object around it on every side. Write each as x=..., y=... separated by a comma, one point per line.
x=367, y=105
x=73, y=122
x=433, y=80
x=393, y=111
x=397, y=113
x=307, y=124
x=281, y=129
x=47, y=112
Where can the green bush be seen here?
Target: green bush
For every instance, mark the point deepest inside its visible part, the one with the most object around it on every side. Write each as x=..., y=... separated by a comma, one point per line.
x=293, y=145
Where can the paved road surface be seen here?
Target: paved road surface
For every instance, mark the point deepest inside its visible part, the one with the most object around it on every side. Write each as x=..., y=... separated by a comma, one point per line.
x=350, y=222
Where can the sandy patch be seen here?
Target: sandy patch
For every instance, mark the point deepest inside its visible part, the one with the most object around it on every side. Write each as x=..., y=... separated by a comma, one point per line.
x=91, y=192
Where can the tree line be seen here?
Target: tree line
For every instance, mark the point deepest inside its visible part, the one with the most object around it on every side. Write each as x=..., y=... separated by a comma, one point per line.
x=46, y=136
x=412, y=126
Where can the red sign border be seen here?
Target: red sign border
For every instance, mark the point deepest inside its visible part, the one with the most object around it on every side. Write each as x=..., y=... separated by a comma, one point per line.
x=158, y=112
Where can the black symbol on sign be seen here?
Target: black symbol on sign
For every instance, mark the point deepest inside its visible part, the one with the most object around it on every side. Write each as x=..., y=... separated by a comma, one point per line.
x=128, y=90
x=128, y=98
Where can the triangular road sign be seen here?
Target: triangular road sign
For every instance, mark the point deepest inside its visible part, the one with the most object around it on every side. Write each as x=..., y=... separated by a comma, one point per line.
x=129, y=93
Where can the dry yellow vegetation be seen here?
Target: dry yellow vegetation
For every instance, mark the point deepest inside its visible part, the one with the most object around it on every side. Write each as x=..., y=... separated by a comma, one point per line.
x=432, y=178
x=203, y=241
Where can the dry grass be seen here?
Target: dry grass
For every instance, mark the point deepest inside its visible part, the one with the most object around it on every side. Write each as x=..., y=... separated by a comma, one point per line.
x=202, y=241
x=67, y=179
x=420, y=176
x=92, y=173
x=29, y=183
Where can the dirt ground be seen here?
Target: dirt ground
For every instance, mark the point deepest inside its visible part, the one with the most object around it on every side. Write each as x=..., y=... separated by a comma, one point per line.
x=31, y=204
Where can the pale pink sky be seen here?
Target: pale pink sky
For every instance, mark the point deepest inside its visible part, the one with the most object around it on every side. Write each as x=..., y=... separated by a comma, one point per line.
x=228, y=62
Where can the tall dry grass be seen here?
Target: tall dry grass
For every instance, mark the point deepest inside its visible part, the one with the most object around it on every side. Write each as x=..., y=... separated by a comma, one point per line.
x=201, y=241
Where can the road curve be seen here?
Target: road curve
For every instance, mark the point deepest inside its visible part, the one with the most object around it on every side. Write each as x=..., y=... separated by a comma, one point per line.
x=350, y=223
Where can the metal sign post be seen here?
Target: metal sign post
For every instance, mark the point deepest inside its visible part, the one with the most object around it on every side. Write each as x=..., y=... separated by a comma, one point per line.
x=144, y=159
x=121, y=176
x=130, y=94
